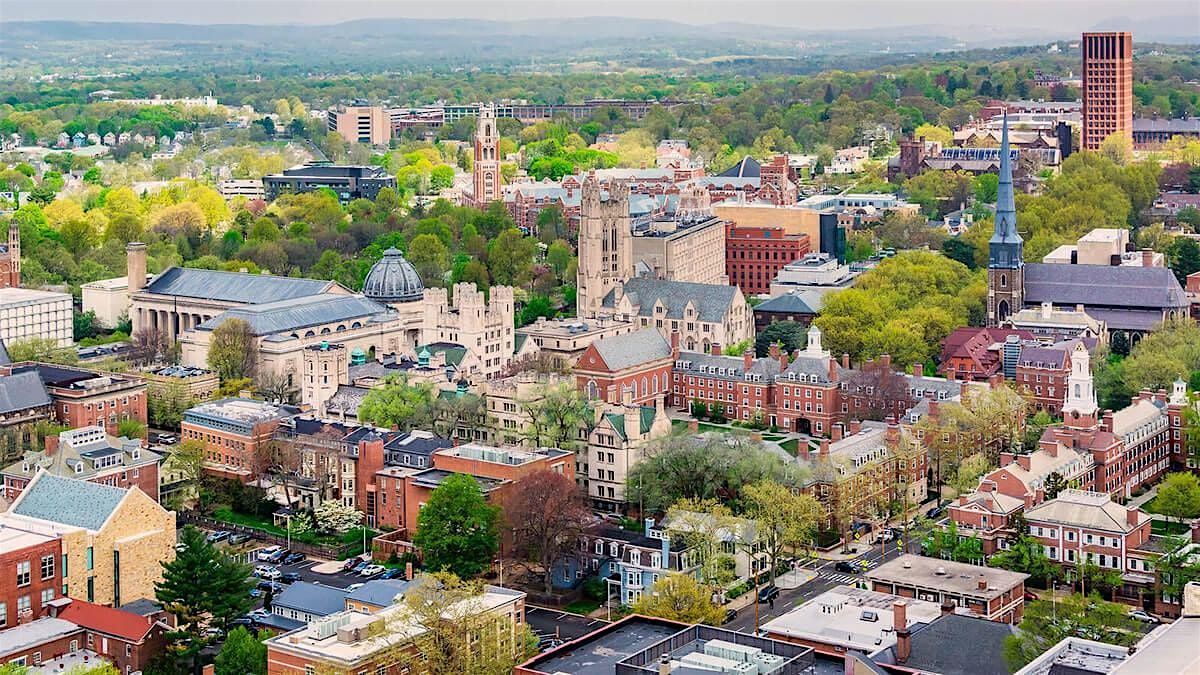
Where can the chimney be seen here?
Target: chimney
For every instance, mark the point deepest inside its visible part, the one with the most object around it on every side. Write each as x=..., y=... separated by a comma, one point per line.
x=674, y=345
x=845, y=360
x=802, y=446
x=833, y=374
x=1106, y=422
x=633, y=422
x=903, y=636
x=855, y=427
x=1131, y=517
x=824, y=452
x=962, y=500
x=886, y=360
x=408, y=570
x=1006, y=458
x=982, y=583
x=773, y=350
x=627, y=396
x=51, y=445
x=947, y=608
x=135, y=266
x=783, y=361
x=836, y=431
x=1023, y=462
x=1147, y=257
x=747, y=359
x=933, y=409
x=918, y=370
x=715, y=350
x=664, y=664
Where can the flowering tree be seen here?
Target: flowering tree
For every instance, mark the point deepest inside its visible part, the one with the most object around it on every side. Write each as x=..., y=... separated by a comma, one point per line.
x=334, y=516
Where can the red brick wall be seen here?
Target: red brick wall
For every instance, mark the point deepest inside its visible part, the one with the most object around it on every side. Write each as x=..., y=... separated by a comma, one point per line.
x=11, y=593
x=48, y=650
x=127, y=404
x=753, y=255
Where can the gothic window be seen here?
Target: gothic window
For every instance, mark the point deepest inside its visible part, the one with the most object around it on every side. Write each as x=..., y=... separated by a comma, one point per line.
x=645, y=387
x=1003, y=281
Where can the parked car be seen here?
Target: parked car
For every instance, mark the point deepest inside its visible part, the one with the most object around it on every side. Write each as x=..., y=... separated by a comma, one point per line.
x=278, y=556
x=372, y=571
x=289, y=577
x=393, y=573
x=243, y=621
x=266, y=572
x=293, y=558
x=358, y=568
x=1143, y=616
x=265, y=553
x=1030, y=595
x=768, y=594
x=884, y=537
x=730, y=615
x=214, y=632
x=259, y=614
x=238, y=538
x=845, y=566
x=351, y=563
x=935, y=513
x=217, y=537
x=167, y=439
x=353, y=587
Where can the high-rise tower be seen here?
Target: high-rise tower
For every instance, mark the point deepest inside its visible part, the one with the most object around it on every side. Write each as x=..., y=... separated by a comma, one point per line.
x=1080, y=408
x=486, y=169
x=10, y=258
x=605, y=244
x=1006, y=264
x=1107, y=87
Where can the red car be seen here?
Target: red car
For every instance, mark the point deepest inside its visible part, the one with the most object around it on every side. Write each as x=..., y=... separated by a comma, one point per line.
x=1030, y=595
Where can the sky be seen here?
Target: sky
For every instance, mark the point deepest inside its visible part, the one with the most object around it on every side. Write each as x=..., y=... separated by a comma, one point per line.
x=1047, y=15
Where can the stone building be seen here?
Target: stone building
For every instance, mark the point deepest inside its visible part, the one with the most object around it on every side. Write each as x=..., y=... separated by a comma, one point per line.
x=27, y=314
x=10, y=258
x=112, y=539
x=483, y=325
x=485, y=171
x=616, y=441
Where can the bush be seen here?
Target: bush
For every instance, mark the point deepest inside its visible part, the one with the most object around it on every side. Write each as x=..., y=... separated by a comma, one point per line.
x=595, y=588
x=738, y=590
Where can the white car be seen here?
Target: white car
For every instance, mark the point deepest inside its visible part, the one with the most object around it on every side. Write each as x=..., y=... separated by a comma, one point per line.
x=265, y=553
x=266, y=572
x=1142, y=616
x=353, y=587
x=372, y=570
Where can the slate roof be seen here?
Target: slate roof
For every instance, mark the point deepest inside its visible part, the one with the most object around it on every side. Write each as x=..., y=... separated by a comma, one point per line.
x=622, y=351
x=712, y=302
x=793, y=302
x=21, y=391
x=1103, y=286
x=1043, y=357
x=645, y=421
x=1092, y=510
x=312, y=598
x=379, y=592
x=939, y=647
x=235, y=287
x=748, y=167
x=709, y=365
x=299, y=313
x=67, y=501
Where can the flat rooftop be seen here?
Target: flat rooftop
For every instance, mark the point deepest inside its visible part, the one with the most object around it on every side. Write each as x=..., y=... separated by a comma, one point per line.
x=598, y=653
x=511, y=456
x=946, y=575
x=22, y=296
x=15, y=538
x=241, y=409
x=842, y=617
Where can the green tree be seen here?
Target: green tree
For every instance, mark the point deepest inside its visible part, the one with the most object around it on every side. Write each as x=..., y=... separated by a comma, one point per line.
x=46, y=350
x=397, y=404
x=232, y=352
x=457, y=530
x=987, y=185
x=679, y=597
x=242, y=654
x=790, y=335
x=430, y=257
x=1179, y=496
x=202, y=588
x=1046, y=623
x=1177, y=567
x=510, y=258
x=1055, y=483
x=555, y=413
x=131, y=428
x=559, y=257
x=783, y=519
x=1026, y=555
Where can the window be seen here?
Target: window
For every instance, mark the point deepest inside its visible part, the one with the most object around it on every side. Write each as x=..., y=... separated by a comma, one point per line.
x=88, y=557
x=47, y=595
x=3, y=614
x=24, y=604
x=23, y=574
x=47, y=567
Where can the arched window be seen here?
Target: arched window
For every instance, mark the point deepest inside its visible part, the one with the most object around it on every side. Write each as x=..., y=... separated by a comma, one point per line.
x=645, y=387
x=656, y=383
x=593, y=392
x=1003, y=281
x=1077, y=394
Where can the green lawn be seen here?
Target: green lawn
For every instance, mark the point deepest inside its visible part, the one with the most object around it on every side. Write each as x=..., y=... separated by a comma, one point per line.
x=791, y=445
x=583, y=606
x=1164, y=527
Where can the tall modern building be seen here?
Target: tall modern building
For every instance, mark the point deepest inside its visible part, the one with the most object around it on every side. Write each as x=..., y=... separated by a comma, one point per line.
x=1107, y=86
x=361, y=124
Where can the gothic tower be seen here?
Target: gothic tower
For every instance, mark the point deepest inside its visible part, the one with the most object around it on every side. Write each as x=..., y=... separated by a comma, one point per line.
x=1079, y=409
x=1006, y=264
x=10, y=259
x=486, y=169
x=605, y=244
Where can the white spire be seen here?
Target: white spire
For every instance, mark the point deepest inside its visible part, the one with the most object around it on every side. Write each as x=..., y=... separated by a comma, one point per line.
x=1081, y=390
x=1179, y=392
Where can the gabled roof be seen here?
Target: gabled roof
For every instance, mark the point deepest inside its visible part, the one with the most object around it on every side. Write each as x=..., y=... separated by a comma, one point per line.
x=1119, y=286
x=68, y=501
x=631, y=349
x=379, y=592
x=312, y=598
x=1094, y=510
x=646, y=416
x=793, y=302
x=712, y=302
x=301, y=313
x=122, y=624
x=21, y=391
x=235, y=287
x=748, y=167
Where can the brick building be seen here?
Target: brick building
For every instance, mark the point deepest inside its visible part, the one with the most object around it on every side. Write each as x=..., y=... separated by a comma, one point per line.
x=637, y=363
x=112, y=539
x=88, y=454
x=74, y=633
x=233, y=430
x=753, y=255
x=30, y=573
x=977, y=354
x=86, y=398
x=1107, y=87
x=1042, y=374
x=987, y=592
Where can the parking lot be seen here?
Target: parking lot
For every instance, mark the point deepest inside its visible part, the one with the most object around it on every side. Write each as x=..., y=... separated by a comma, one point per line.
x=554, y=626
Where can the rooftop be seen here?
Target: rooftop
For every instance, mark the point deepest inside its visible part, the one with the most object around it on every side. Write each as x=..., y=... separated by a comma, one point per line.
x=123, y=624
x=246, y=410
x=631, y=349
x=27, y=296
x=1076, y=656
x=1094, y=510
x=851, y=617
x=946, y=575
x=960, y=645
x=22, y=391
x=511, y=456
x=296, y=314
x=13, y=538
x=311, y=598
x=379, y=592
x=710, y=301
x=34, y=633
x=234, y=287
x=66, y=501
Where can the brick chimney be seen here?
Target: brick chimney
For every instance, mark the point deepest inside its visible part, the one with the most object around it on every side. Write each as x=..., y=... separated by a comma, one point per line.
x=981, y=584
x=1023, y=462
x=783, y=361
x=747, y=360
x=674, y=345
x=947, y=608
x=1147, y=257
x=802, y=446
x=773, y=350
x=824, y=451
x=1131, y=517
x=833, y=374
x=903, y=636
x=918, y=369
x=933, y=409
x=1106, y=422
x=836, y=432
x=715, y=350
x=845, y=360
x=1006, y=458
x=891, y=435
x=51, y=445
x=885, y=360
x=855, y=427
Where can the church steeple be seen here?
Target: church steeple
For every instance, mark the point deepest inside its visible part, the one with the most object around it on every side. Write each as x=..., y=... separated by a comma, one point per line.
x=1005, y=248
x=1006, y=264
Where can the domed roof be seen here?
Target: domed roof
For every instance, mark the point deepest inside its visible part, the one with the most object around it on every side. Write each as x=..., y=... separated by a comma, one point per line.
x=393, y=279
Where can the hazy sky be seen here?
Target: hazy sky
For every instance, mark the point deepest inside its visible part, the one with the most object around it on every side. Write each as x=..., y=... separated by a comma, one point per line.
x=1049, y=15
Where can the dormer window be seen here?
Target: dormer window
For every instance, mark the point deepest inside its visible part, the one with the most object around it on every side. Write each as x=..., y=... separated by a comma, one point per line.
x=79, y=468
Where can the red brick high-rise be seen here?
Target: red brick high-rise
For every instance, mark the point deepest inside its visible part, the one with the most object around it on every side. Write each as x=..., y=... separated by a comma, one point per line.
x=754, y=255
x=485, y=171
x=10, y=259
x=1107, y=87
